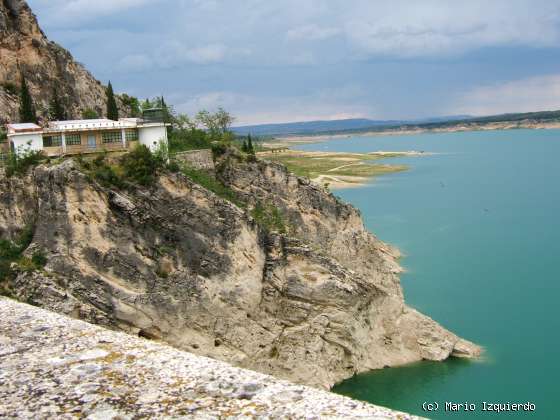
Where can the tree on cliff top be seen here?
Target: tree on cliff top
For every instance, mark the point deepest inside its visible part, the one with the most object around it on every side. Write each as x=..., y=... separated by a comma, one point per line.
x=112, y=110
x=27, y=112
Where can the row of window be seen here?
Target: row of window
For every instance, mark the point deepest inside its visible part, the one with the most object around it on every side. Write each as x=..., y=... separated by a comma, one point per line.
x=75, y=139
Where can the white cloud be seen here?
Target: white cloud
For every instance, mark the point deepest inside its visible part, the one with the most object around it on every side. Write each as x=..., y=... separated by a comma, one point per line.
x=311, y=32
x=433, y=27
x=135, y=63
x=206, y=54
x=325, y=104
x=69, y=13
x=541, y=93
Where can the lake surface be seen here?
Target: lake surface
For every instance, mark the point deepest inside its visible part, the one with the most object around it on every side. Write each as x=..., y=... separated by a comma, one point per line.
x=479, y=224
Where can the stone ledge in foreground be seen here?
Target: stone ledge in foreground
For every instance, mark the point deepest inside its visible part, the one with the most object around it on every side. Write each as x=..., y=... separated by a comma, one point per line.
x=54, y=366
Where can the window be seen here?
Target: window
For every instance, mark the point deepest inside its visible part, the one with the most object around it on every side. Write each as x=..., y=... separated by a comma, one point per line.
x=131, y=135
x=52, y=141
x=111, y=137
x=73, y=140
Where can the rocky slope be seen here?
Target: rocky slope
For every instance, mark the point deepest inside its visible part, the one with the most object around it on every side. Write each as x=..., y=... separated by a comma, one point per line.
x=46, y=65
x=176, y=262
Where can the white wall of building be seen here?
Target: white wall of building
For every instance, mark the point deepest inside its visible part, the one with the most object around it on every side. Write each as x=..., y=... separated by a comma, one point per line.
x=29, y=141
x=151, y=136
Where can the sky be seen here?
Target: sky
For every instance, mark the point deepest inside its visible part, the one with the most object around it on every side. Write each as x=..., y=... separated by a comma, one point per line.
x=269, y=61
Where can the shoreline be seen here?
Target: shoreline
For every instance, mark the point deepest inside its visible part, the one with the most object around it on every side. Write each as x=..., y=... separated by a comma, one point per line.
x=290, y=140
x=338, y=170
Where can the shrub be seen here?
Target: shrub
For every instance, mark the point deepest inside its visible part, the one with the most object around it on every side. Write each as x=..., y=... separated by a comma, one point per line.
x=39, y=259
x=218, y=149
x=89, y=114
x=140, y=165
x=11, y=251
x=11, y=88
x=269, y=217
x=19, y=162
x=173, y=166
x=183, y=139
x=209, y=182
x=103, y=172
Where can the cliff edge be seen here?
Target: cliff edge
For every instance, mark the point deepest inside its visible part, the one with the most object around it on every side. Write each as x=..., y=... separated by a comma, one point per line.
x=314, y=302
x=103, y=374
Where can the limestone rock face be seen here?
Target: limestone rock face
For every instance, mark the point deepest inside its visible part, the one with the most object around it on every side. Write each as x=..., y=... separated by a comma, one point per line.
x=177, y=263
x=46, y=65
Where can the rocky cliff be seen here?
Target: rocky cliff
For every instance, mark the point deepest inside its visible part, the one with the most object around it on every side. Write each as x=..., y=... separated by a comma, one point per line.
x=177, y=263
x=46, y=65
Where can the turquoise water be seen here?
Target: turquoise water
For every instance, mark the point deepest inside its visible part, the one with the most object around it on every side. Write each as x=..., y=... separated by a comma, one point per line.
x=479, y=226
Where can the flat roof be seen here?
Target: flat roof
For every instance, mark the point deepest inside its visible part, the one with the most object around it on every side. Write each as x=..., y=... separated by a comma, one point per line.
x=23, y=128
x=97, y=123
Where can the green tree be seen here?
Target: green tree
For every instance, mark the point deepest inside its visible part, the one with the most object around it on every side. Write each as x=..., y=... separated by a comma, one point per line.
x=244, y=146
x=216, y=124
x=112, y=110
x=89, y=114
x=27, y=112
x=250, y=148
x=132, y=103
x=56, y=110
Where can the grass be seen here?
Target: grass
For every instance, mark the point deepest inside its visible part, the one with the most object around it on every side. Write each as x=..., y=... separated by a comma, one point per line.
x=12, y=251
x=208, y=181
x=313, y=165
x=269, y=217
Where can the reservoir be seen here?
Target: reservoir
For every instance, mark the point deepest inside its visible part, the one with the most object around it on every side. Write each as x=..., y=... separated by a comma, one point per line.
x=478, y=222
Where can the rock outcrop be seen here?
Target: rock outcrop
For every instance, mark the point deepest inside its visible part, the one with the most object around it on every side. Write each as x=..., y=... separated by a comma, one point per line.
x=24, y=48
x=66, y=369
x=175, y=262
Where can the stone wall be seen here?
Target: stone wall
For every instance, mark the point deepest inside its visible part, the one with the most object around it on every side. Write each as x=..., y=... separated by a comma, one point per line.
x=198, y=159
x=52, y=366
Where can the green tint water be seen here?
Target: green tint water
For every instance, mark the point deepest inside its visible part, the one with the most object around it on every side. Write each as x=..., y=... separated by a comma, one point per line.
x=479, y=224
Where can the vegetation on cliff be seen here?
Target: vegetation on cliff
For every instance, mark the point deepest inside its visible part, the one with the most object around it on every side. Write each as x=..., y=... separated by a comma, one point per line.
x=27, y=112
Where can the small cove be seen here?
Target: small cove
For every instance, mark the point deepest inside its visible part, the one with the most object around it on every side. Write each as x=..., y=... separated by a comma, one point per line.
x=477, y=222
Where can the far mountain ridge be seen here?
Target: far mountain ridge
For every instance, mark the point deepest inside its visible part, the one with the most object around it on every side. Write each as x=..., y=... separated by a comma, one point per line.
x=316, y=126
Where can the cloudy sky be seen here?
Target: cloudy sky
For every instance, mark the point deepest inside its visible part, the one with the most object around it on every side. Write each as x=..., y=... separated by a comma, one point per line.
x=296, y=60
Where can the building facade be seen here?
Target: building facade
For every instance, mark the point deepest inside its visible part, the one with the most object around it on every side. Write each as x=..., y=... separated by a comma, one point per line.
x=86, y=136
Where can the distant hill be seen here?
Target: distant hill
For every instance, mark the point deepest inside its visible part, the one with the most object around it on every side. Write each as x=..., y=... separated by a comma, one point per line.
x=315, y=127
x=524, y=119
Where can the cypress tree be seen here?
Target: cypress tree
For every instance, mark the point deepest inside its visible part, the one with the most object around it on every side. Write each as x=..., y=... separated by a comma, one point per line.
x=112, y=110
x=26, y=108
x=56, y=110
x=250, y=148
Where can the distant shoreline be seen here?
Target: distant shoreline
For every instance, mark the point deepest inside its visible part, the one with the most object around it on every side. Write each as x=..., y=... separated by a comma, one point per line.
x=290, y=140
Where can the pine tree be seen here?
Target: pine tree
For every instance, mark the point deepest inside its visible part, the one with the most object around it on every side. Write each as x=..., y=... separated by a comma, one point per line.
x=112, y=110
x=26, y=108
x=56, y=110
x=244, y=147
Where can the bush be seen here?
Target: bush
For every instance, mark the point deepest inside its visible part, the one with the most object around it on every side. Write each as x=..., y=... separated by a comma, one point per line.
x=140, y=165
x=181, y=140
x=218, y=149
x=89, y=114
x=39, y=259
x=173, y=166
x=102, y=172
x=269, y=217
x=209, y=182
x=11, y=251
x=11, y=88
x=19, y=162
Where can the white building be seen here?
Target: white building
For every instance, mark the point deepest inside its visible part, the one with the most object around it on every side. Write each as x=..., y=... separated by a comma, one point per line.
x=87, y=136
